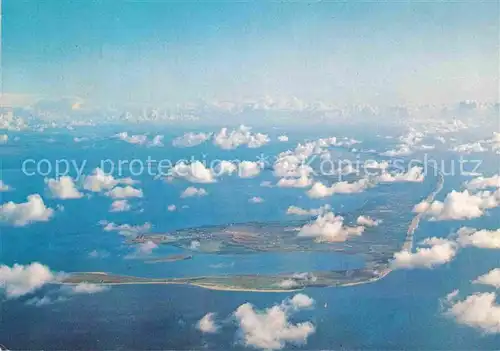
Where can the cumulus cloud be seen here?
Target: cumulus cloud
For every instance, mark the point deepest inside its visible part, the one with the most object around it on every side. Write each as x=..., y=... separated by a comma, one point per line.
x=99, y=181
x=243, y=135
x=438, y=252
x=479, y=311
x=3, y=138
x=3, y=186
x=470, y=148
x=270, y=329
x=126, y=229
x=119, y=206
x=207, y=324
x=319, y=190
x=132, y=139
x=34, y=210
x=249, y=169
x=192, y=191
x=460, y=205
x=368, y=221
x=294, y=210
x=414, y=174
x=480, y=183
x=87, y=288
x=143, y=249
x=191, y=139
x=491, y=278
x=195, y=172
x=171, y=208
x=120, y=192
x=485, y=239
x=256, y=200
x=282, y=138
x=302, y=182
x=20, y=280
x=330, y=228
x=63, y=188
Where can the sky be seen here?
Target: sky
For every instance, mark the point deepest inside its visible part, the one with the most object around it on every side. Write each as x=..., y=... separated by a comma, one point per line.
x=173, y=52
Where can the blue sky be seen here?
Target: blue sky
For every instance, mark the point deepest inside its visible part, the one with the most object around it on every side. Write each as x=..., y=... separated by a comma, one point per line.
x=168, y=52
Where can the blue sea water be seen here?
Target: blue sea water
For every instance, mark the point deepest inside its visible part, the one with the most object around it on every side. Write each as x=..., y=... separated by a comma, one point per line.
x=401, y=311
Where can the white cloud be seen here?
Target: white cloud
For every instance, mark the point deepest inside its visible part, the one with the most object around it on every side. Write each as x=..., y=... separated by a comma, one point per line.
x=34, y=210
x=320, y=190
x=249, y=169
x=440, y=251
x=282, y=138
x=470, y=148
x=126, y=229
x=226, y=167
x=270, y=329
x=20, y=280
x=256, y=200
x=4, y=187
x=119, y=206
x=99, y=181
x=294, y=210
x=414, y=174
x=191, y=139
x=156, y=141
x=195, y=172
x=3, y=138
x=478, y=310
x=483, y=183
x=368, y=221
x=460, y=205
x=302, y=182
x=491, y=278
x=301, y=301
x=207, y=324
x=63, y=188
x=192, y=191
x=372, y=164
x=132, y=139
x=87, y=288
x=241, y=136
x=402, y=150
x=330, y=228
x=128, y=191
x=485, y=239
x=171, y=208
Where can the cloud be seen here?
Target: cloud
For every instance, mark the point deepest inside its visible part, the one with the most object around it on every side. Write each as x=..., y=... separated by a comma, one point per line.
x=192, y=191
x=228, y=140
x=294, y=210
x=63, y=188
x=372, y=164
x=143, y=249
x=485, y=239
x=126, y=229
x=87, y=288
x=195, y=172
x=191, y=139
x=470, y=148
x=368, y=221
x=440, y=251
x=302, y=182
x=34, y=210
x=320, y=190
x=4, y=138
x=99, y=181
x=460, y=205
x=225, y=167
x=119, y=206
x=132, y=139
x=4, y=187
x=282, y=138
x=256, y=200
x=479, y=311
x=171, y=208
x=207, y=324
x=249, y=169
x=414, y=174
x=491, y=278
x=20, y=280
x=330, y=228
x=480, y=183
x=124, y=192
x=270, y=329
